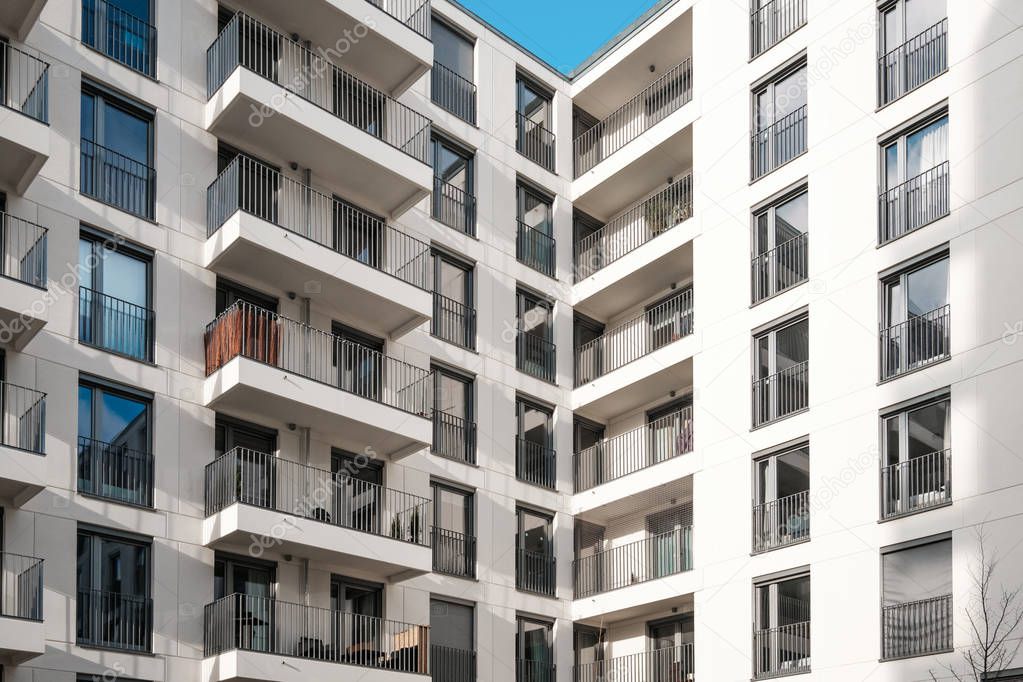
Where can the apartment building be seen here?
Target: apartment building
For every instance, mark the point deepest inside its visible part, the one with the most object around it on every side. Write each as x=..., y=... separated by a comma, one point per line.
x=350, y=340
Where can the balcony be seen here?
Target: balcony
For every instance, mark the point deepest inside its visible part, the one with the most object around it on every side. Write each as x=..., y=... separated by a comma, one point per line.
x=782, y=650
x=22, y=281
x=118, y=180
x=120, y=35
x=772, y=22
x=454, y=94
x=448, y=664
x=22, y=443
x=536, y=464
x=454, y=207
x=114, y=472
x=275, y=96
x=535, y=247
x=22, y=634
x=781, y=522
x=534, y=141
x=17, y=17
x=112, y=620
x=917, y=61
x=780, y=269
x=913, y=204
x=778, y=143
x=529, y=670
x=453, y=553
x=782, y=394
x=115, y=325
x=535, y=572
x=331, y=516
x=918, y=342
x=670, y=664
x=262, y=365
x=248, y=638
x=916, y=628
x=454, y=437
x=653, y=558
x=24, y=109
x=923, y=482
x=374, y=272
x=535, y=356
x=453, y=321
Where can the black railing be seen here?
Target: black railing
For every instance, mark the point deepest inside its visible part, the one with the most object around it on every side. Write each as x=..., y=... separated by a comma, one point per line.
x=910, y=65
x=535, y=356
x=529, y=670
x=245, y=330
x=915, y=343
x=664, y=438
x=453, y=321
x=919, y=483
x=453, y=93
x=781, y=522
x=772, y=22
x=115, y=472
x=115, y=325
x=454, y=207
x=449, y=664
x=536, y=248
x=251, y=187
x=535, y=463
x=666, y=95
x=23, y=414
x=118, y=180
x=633, y=228
x=781, y=394
x=112, y=620
x=778, y=143
x=535, y=572
x=21, y=586
x=670, y=664
x=534, y=141
x=657, y=556
x=454, y=437
x=120, y=35
x=780, y=268
x=653, y=329
x=23, y=250
x=916, y=628
x=454, y=553
x=413, y=13
x=783, y=650
x=248, y=44
x=24, y=83
x=263, y=625
x=913, y=204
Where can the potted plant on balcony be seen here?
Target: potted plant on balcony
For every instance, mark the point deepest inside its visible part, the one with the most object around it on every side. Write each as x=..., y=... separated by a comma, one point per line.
x=663, y=212
x=413, y=526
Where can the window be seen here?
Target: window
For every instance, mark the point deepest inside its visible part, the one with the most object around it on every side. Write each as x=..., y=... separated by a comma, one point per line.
x=668, y=319
x=454, y=426
x=915, y=179
x=359, y=496
x=535, y=242
x=452, y=85
x=588, y=256
x=454, y=200
x=670, y=644
x=916, y=469
x=916, y=610
x=669, y=538
x=359, y=605
x=771, y=21
x=247, y=472
x=117, y=151
x=229, y=293
x=357, y=233
x=123, y=30
x=115, y=296
x=916, y=322
x=535, y=351
x=780, y=233
x=781, y=498
x=454, y=312
x=534, y=543
x=454, y=534
x=780, y=373
x=779, y=119
x=257, y=185
x=115, y=460
x=535, y=458
x=452, y=640
x=589, y=644
x=589, y=355
x=913, y=45
x=534, y=650
x=781, y=636
x=114, y=609
x=533, y=108
x=670, y=430
x=359, y=358
x=244, y=591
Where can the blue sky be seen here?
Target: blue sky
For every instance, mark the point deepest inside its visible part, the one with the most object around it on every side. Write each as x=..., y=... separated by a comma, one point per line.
x=562, y=32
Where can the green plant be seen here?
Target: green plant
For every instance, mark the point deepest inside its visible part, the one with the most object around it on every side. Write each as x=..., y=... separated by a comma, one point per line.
x=396, y=528
x=413, y=525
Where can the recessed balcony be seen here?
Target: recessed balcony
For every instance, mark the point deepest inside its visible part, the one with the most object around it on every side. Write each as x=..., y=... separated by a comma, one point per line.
x=17, y=17
x=261, y=365
x=275, y=96
x=23, y=312
x=22, y=634
x=24, y=115
x=22, y=443
x=292, y=235
x=663, y=664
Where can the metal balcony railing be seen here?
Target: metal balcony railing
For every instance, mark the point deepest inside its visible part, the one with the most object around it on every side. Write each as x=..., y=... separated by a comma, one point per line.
x=781, y=268
x=535, y=356
x=120, y=35
x=915, y=343
x=248, y=44
x=245, y=330
x=916, y=628
x=22, y=250
x=664, y=438
x=772, y=22
x=666, y=95
x=454, y=437
x=449, y=664
x=112, y=620
x=655, y=328
x=259, y=479
x=528, y=670
x=21, y=586
x=23, y=414
x=453, y=321
x=633, y=228
x=534, y=141
x=535, y=464
x=251, y=187
x=453, y=93
x=652, y=558
x=781, y=522
x=783, y=650
x=118, y=180
x=115, y=472
x=115, y=325
x=536, y=248
x=454, y=553
x=913, y=204
x=919, y=483
x=781, y=394
x=778, y=143
x=263, y=625
x=535, y=572
x=413, y=13
x=24, y=83
x=454, y=207
x=910, y=65
x=670, y=664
